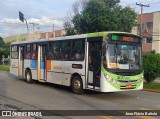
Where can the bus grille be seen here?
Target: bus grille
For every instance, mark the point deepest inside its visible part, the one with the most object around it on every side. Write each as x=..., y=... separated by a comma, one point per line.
x=127, y=81
x=124, y=87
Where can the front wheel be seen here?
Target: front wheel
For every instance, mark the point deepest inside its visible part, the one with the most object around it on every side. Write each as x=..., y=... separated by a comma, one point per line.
x=28, y=76
x=77, y=85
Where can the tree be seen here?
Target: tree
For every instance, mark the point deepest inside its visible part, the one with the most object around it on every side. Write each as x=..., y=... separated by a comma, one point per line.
x=1, y=41
x=77, y=7
x=151, y=64
x=102, y=15
x=4, y=48
x=69, y=29
x=112, y=3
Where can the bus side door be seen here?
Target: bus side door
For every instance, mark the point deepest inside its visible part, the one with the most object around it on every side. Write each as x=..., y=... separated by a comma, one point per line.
x=41, y=67
x=21, y=61
x=94, y=62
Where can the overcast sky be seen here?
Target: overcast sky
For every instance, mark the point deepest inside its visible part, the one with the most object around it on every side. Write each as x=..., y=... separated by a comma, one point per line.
x=46, y=13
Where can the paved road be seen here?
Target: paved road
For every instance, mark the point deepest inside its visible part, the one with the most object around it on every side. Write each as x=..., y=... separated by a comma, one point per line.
x=17, y=94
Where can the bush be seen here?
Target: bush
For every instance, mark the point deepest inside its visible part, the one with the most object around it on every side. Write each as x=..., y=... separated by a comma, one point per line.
x=151, y=65
x=4, y=67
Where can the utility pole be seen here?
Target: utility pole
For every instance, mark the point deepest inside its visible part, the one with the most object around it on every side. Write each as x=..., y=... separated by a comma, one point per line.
x=33, y=28
x=53, y=32
x=141, y=5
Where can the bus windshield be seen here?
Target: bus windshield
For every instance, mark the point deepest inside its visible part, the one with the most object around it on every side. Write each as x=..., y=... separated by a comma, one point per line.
x=120, y=56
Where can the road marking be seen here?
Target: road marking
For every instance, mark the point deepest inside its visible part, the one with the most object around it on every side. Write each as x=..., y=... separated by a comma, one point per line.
x=146, y=117
x=143, y=108
x=158, y=106
x=108, y=117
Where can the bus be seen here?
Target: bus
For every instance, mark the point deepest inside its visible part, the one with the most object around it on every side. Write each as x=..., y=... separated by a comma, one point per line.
x=101, y=61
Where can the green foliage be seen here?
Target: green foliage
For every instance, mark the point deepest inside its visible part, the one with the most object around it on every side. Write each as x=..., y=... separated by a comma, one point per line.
x=69, y=29
x=1, y=41
x=103, y=15
x=152, y=86
x=15, y=38
x=153, y=52
x=4, y=68
x=151, y=64
x=4, y=48
x=111, y=3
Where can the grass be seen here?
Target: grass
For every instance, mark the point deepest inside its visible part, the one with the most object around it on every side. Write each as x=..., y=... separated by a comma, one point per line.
x=4, y=68
x=15, y=38
x=152, y=86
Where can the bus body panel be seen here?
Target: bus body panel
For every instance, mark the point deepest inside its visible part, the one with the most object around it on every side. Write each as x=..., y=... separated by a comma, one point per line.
x=112, y=82
x=56, y=69
x=49, y=76
x=60, y=72
x=67, y=72
x=33, y=68
x=14, y=67
x=43, y=70
x=34, y=74
x=32, y=65
x=27, y=64
x=108, y=87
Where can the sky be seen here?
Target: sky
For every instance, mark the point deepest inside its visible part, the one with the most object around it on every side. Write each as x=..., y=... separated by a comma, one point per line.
x=45, y=13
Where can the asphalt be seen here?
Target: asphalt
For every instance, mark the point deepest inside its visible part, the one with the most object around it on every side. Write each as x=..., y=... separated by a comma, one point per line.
x=16, y=94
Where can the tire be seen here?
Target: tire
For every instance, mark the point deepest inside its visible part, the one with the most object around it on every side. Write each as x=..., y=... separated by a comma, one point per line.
x=77, y=85
x=28, y=76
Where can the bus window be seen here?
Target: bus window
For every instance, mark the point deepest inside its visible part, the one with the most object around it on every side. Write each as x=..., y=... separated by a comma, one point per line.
x=28, y=51
x=34, y=51
x=54, y=51
x=14, y=52
x=66, y=47
x=123, y=56
x=78, y=47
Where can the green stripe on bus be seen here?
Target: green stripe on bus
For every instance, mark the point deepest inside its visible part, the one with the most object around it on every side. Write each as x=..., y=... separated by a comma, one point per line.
x=122, y=78
x=97, y=34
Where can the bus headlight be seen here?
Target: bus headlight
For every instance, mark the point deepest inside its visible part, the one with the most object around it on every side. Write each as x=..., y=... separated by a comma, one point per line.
x=140, y=80
x=109, y=79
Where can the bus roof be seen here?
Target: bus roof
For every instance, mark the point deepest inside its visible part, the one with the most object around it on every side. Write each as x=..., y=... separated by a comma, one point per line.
x=96, y=34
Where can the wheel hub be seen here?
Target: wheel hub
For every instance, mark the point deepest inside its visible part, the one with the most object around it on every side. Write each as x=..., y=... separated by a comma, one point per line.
x=77, y=84
x=28, y=76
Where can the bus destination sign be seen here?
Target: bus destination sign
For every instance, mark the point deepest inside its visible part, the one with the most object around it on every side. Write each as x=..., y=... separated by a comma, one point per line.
x=124, y=38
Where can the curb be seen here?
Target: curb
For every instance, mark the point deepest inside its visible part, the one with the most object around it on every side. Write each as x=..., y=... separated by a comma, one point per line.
x=152, y=90
x=2, y=71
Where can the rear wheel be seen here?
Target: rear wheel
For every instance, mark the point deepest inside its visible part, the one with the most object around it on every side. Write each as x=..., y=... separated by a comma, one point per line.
x=28, y=76
x=77, y=85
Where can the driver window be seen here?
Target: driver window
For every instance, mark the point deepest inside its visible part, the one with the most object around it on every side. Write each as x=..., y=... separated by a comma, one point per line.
x=111, y=53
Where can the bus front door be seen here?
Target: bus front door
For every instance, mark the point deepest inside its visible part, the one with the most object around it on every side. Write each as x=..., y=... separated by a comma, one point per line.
x=21, y=61
x=94, y=64
x=41, y=63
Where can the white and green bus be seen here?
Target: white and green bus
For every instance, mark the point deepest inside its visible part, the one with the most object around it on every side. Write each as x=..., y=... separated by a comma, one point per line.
x=101, y=61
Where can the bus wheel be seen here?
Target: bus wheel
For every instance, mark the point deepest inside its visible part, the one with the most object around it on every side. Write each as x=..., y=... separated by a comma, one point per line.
x=28, y=76
x=77, y=85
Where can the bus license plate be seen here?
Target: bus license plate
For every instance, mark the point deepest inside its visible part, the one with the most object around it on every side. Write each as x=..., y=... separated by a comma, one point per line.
x=128, y=85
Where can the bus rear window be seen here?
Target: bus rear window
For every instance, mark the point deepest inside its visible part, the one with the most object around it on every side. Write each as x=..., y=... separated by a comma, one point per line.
x=14, y=48
x=14, y=54
x=28, y=47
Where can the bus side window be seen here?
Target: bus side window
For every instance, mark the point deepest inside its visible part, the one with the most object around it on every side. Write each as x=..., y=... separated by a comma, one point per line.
x=54, y=51
x=78, y=48
x=14, y=52
x=66, y=48
x=28, y=51
x=34, y=51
